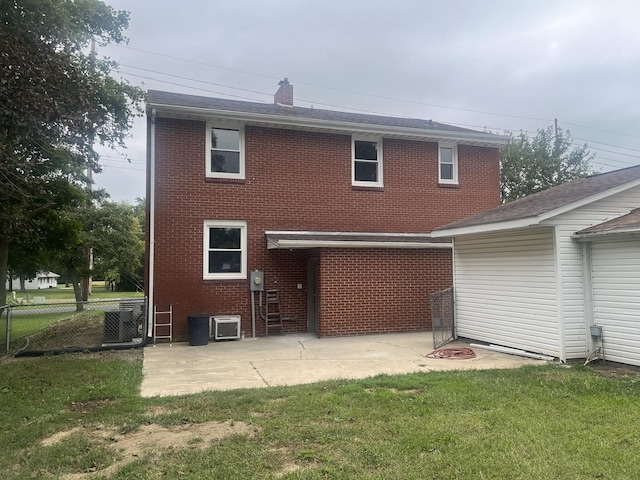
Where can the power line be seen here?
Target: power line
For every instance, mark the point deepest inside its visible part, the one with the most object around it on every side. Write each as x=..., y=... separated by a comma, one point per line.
x=197, y=62
x=196, y=80
x=608, y=151
x=607, y=144
x=122, y=167
x=384, y=97
x=122, y=159
x=187, y=86
x=601, y=130
x=355, y=93
x=311, y=102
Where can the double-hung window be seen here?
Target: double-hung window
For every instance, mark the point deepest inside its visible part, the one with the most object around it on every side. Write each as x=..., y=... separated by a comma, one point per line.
x=225, y=152
x=225, y=249
x=448, y=163
x=366, y=165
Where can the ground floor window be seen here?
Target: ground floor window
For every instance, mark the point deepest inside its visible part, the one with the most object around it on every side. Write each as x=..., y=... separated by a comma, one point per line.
x=225, y=249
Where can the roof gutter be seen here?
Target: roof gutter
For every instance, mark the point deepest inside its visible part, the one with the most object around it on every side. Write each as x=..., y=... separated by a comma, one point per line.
x=627, y=234
x=298, y=244
x=483, y=139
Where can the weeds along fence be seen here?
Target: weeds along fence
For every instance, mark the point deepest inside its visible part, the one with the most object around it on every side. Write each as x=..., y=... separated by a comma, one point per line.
x=46, y=328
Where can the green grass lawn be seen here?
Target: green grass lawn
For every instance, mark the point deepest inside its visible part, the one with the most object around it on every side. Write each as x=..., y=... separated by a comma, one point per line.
x=82, y=415
x=65, y=294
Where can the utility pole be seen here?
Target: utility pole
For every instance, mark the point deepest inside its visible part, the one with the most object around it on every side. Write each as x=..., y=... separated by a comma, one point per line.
x=555, y=143
x=85, y=287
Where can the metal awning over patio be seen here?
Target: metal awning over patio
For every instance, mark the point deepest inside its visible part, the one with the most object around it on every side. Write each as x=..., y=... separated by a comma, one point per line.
x=296, y=239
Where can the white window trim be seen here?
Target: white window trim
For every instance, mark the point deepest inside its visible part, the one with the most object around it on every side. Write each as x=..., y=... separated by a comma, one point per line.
x=243, y=249
x=454, y=155
x=379, y=161
x=209, y=173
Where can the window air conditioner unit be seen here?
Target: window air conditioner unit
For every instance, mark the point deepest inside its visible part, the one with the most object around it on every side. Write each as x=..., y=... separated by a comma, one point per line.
x=224, y=327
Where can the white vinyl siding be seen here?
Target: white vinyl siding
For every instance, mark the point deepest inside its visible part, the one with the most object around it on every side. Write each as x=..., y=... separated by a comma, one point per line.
x=505, y=289
x=572, y=299
x=615, y=273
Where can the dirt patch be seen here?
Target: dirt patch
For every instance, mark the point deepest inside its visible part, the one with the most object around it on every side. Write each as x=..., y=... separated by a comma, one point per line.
x=83, y=331
x=615, y=370
x=151, y=439
x=89, y=406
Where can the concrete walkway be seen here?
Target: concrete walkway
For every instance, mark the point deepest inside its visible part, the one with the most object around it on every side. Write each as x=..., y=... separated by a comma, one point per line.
x=296, y=359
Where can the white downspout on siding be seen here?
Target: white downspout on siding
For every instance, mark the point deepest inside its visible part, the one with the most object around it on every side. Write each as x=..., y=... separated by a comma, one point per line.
x=587, y=294
x=152, y=221
x=453, y=272
x=557, y=254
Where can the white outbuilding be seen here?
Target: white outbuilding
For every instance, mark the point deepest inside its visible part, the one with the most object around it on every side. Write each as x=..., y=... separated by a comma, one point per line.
x=40, y=282
x=537, y=273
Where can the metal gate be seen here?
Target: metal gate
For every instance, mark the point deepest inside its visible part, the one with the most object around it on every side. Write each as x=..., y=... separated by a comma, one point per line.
x=442, y=317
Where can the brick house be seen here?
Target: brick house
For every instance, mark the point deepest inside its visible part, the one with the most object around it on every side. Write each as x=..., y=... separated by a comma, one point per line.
x=335, y=208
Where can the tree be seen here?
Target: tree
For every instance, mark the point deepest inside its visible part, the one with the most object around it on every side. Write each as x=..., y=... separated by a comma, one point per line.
x=110, y=229
x=57, y=101
x=530, y=165
x=116, y=237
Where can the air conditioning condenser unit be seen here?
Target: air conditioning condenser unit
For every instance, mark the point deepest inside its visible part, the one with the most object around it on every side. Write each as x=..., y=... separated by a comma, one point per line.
x=225, y=327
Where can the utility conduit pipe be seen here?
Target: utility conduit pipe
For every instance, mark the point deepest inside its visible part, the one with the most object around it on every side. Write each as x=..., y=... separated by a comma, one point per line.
x=511, y=351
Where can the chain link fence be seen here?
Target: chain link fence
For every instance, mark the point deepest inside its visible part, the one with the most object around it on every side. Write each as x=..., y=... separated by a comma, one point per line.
x=41, y=328
x=442, y=317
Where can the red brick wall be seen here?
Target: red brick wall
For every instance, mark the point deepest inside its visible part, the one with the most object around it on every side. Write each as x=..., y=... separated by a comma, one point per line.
x=302, y=181
x=379, y=290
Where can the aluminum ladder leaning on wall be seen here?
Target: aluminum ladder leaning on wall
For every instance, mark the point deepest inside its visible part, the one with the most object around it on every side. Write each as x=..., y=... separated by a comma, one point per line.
x=167, y=324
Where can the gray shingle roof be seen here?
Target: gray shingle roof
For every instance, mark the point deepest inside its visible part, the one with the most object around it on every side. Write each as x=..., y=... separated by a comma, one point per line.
x=551, y=199
x=625, y=223
x=157, y=98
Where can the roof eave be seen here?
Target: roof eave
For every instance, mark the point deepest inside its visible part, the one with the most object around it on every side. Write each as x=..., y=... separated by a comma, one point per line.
x=482, y=139
x=485, y=228
x=535, y=220
x=587, y=200
x=618, y=235
x=306, y=244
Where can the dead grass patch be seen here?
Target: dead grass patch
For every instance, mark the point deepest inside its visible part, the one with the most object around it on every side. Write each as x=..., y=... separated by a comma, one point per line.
x=83, y=331
x=151, y=439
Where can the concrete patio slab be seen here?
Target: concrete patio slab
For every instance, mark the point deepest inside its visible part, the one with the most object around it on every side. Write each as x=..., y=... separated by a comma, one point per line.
x=180, y=369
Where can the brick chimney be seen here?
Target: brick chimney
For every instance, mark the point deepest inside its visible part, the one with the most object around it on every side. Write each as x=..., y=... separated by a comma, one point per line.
x=284, y=95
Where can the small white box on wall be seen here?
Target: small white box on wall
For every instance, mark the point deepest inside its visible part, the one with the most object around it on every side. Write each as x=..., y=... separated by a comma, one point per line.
x=224, y=327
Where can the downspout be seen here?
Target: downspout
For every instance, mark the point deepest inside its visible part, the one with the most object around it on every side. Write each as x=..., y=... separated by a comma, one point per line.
x=454, y=290
x=562, y=355
x=587, y=296
x=152, y=222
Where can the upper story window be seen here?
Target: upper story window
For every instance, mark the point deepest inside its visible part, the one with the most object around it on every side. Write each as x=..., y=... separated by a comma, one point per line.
x=448, y=163
x=366, y=168
x=225, y=249
x=225, y=152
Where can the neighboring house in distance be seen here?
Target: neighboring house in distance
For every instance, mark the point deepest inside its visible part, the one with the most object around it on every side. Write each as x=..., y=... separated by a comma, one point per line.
x=538, y=272
x=43, y=280
x=335, y=208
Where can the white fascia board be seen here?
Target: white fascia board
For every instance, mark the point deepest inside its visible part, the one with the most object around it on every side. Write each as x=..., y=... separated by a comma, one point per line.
x=485, y=139
x=298, y=244
x=335, y=234
x=612, y=235
x=586, y=201
x=486, y=228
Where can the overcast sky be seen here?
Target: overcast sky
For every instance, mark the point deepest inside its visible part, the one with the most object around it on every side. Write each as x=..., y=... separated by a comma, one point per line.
x=499, y=65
